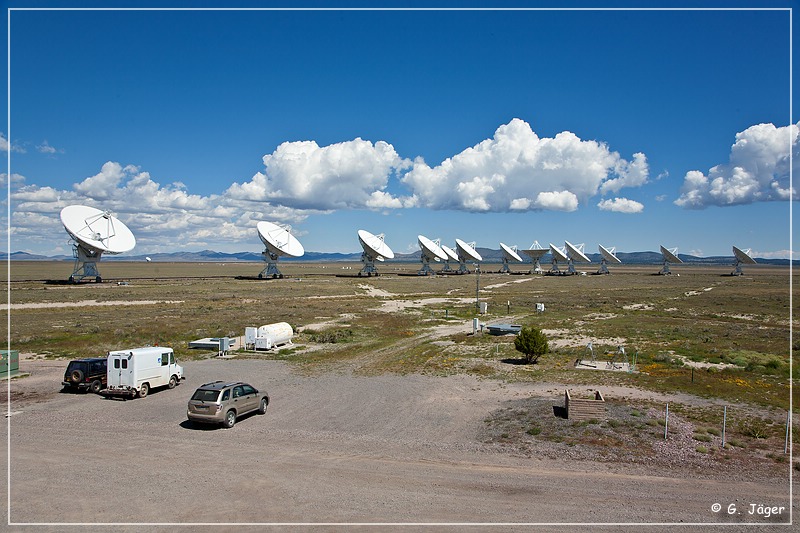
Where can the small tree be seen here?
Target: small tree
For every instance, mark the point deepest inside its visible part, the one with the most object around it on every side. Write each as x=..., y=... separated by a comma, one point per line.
x=532, y=343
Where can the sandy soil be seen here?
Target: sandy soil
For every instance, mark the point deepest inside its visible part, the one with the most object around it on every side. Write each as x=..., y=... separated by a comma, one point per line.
x=334, y=448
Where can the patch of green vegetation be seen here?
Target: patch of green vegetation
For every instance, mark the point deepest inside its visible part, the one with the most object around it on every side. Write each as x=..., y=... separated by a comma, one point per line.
x=702, y=437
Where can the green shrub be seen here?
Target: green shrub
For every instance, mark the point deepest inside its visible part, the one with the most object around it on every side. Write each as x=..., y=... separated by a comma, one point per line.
x=702, y=437
x=532, y=343
x=534, y=430
x=701, y=449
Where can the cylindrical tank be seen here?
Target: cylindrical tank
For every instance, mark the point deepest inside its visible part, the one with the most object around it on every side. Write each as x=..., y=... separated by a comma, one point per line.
x=278, y=333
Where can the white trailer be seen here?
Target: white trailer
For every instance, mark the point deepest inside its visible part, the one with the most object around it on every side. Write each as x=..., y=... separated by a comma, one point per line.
x=269, y=336
x=134, y=372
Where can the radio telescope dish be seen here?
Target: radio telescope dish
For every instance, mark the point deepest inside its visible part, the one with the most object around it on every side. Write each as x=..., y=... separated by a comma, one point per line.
x=374, y=250
x=535, y=252
x=279, y=242
x=509, y=254
x=430, y=251
x=466, y=252
x=451, y=256
x=670, y=256
x=558, y=257
x=742, y=258
x=94, y=232
x=608, y=257
x=576, y=255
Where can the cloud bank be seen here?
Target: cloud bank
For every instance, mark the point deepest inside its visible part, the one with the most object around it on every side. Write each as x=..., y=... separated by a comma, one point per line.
x=516, y=170
x=347, y=175
x=163, y=217
x=757, y=171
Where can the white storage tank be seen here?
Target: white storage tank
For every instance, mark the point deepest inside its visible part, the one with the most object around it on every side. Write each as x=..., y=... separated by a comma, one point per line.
x=272, y=335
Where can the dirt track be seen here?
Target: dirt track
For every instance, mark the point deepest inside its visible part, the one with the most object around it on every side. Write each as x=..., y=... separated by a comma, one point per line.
x=331, y=448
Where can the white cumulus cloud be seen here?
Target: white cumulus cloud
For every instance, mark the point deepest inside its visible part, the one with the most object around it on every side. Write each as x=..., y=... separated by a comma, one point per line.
x=163, y=217
x=621, y=205
x=304, y=175
x=518, y=170
x=758, y=170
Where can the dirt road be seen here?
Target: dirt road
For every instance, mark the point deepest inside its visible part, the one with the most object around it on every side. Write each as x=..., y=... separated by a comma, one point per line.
x=332, y=448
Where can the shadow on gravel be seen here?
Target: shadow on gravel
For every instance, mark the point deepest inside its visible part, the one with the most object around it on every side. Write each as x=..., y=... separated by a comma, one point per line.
x=560, y=411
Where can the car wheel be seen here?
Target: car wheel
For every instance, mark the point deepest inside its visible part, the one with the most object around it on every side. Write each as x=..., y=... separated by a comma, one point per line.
x=230, y=418
x=172, y=382
x=262, y=408
x=144, y=390
x=76, y=376
x=96, y=386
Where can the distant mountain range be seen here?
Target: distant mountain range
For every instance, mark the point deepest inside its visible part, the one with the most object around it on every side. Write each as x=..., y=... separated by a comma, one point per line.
x=489, y=256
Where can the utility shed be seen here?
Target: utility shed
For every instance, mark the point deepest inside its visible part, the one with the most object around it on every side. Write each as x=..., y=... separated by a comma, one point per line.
x=9, y=362
x=585, y=409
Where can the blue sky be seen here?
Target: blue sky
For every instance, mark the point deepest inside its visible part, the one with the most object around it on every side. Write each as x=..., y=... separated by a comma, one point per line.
x=609, y=127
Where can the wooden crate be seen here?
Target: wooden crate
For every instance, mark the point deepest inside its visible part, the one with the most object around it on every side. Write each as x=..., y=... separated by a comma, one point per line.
x=585, y=409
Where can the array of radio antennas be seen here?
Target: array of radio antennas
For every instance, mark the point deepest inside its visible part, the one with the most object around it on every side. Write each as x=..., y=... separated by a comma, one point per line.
x=536, y=252
x=741, y=257
x=669, y=256
x=278, y=242
x=609, y=256
x=375, y=249
x=429, y=251
x=94, y=232
x=509, y=254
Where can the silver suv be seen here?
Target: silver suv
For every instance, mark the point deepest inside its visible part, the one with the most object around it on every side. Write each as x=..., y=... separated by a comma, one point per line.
x=222, y=402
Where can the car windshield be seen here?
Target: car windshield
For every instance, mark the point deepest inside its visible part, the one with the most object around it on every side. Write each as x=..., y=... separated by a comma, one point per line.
x=205, y=395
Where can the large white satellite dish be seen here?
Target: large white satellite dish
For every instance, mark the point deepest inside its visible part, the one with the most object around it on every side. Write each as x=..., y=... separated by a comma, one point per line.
x=430, y=250
x=279, y=242
x=509, y=254
x=670, y=256
x=535, y=252
x=558, y=257
x=576, y=255
x=742, y=257
x=451, y=256
x=374, y=250
x=609, y=256
x=466, y=252
x=94, y=232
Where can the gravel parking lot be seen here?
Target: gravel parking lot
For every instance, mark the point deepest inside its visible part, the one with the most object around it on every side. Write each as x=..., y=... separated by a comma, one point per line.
x=332, y=448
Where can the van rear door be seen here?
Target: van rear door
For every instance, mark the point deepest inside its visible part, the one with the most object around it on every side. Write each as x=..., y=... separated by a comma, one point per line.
x=120, y=370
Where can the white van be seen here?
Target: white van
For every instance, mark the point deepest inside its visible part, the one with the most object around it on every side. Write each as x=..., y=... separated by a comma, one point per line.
x=134, y=372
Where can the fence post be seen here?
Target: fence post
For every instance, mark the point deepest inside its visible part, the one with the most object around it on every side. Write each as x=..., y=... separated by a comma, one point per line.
x=666, y=422
x=788, y=424
x=724, y=424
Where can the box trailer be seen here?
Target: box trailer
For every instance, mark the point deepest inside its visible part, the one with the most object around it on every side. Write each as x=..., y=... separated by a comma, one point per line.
x=134, y=372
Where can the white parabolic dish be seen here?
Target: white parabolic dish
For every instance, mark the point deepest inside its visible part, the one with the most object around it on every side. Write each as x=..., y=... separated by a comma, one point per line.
x=374, y=245
x=608, y=256
x=278, y=240
x=670, y=256
x=558, y=255
x=430, y=248
x=468, y=251
x=509, y=253
x=743, y=257
x=574, y=253
x=97, y=229
x=451, y=254
x=535, y=253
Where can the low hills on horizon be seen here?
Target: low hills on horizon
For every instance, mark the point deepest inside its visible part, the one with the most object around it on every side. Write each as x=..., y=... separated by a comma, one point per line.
x=489, y=256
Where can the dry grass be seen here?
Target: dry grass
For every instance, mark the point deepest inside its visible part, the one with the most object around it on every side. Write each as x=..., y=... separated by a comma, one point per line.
x=702, y=315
